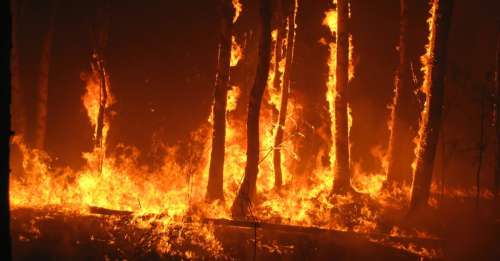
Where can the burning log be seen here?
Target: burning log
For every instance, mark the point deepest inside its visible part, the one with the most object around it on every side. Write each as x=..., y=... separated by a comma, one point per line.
x=285, y=91
x=402, y=90
x=43, y=80
x=435, y=62
x=5, y=129
x=341, y=183
x=243, y=201
x=215, y=174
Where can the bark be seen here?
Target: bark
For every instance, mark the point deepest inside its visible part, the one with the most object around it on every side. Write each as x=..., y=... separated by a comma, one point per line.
x=5, y=128
x=242, y=203
x=497, y=115
x=43, y=82
x=216, y=171
x=285, y=92
x=18, y=111
x=341, y=183
x=428, y=142
x=396, y=152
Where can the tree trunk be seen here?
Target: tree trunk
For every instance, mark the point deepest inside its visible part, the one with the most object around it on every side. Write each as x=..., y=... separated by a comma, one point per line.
x=285, y=92
x=497, y=114
x=5, y=248
x=341, y=182
x=43, y=82
x=18, y=111
x=431, y=121
x=103, y=97
x=247, y=191
x=216, y=171
x=396, y=153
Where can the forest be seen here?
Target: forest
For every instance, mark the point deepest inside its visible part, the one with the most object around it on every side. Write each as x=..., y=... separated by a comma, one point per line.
x=251, y=130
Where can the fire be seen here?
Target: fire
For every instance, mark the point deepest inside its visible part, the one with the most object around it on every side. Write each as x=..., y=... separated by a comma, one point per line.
x=174, y=190
x=426, y=60
x=236, y=53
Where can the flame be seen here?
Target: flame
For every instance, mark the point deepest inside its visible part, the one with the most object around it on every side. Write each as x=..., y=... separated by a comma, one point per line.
x=238, y=7
x=236, y=53
x=175, y=189
x=331, y=22
x=426, y=60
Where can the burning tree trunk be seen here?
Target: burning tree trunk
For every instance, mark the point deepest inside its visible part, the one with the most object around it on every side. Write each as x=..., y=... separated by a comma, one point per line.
x=285, y=92
x=497, y=114
x=402, y=90
x=433, y=86
x=43, y=82
x=342, y=173
x=215, y=174
x=18, y=119
x=5, y=249
x=247, y=191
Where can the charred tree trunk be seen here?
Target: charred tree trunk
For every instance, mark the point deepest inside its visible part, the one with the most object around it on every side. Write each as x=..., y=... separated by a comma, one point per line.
x=341, y=182
x=497, y=114
x=428, y=142
x=216, y=170
x=403, y=89
x=242, y=203
x=5, y=248
x=285, y=92
x=103, y=97
x=18, y=111
x=43, y=82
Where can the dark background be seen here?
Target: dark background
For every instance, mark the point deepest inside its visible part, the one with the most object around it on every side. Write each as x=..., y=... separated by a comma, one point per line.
x=161, y=58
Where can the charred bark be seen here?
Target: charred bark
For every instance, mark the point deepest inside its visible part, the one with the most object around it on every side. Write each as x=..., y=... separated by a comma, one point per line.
x=242, y=204
x=285, y=93
x=396, y=152
x=43, y=81
x=18, y=111
x=428, y=142
x=5, y=128
x=216, y=171
x=341, y=182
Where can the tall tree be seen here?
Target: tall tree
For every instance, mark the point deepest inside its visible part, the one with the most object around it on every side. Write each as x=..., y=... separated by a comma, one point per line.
x=285, y=92
x=18, y=111
x=402, y=91
x=43, y=80
x=216, y=171
x=246, y=194
x=431, y=118
x=497, y=113
x=342, y=183
x=99, y=35
x=5, y=129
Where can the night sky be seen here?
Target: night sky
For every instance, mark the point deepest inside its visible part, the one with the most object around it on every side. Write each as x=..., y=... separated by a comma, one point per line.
x=161, y=57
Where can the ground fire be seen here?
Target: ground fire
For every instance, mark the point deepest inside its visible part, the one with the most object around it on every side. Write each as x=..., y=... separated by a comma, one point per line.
x=251, y=130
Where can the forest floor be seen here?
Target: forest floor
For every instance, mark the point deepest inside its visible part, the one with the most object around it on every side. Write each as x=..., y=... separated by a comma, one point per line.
x=53, y=234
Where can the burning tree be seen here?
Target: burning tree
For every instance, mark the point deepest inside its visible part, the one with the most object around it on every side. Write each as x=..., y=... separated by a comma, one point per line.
x=341, y=138
x=216, y=170
x=290, y=10
x=243, y=201
x=402, y=90
x=434, y=68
